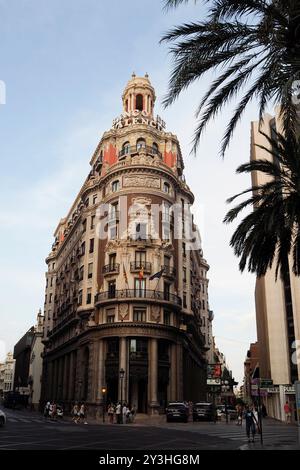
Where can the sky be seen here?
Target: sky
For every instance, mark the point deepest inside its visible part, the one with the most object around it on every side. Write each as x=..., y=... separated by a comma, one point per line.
x=65, y=64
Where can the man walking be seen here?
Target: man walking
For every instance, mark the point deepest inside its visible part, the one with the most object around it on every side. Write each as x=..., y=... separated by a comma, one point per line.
x=250, y=423
x=288, y=412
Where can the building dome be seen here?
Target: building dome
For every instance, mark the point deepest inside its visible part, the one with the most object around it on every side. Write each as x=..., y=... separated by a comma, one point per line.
x=139, y=95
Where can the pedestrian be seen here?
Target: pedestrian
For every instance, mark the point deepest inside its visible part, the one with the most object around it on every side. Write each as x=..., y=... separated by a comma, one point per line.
x=75, y=413
x=110, y=412
x=264, y=411
x=53, y=411
x=47, y=410
x=82, y=414
x=118, y=412
x=288, y=412
x=250, y=423
x=124, y=413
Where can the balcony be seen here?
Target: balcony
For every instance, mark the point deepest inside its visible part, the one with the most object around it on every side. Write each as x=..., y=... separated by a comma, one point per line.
x=169, y=271
x=136, y=266
x=111, y=269
x=133, y=150
x=135, y=294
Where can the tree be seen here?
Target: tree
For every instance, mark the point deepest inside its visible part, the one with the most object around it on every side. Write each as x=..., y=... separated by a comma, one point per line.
x=253, y=45
x=272, y=231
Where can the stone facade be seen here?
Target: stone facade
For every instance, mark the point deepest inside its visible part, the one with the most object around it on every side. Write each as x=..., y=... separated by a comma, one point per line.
x=103, y=311
x=7, y=371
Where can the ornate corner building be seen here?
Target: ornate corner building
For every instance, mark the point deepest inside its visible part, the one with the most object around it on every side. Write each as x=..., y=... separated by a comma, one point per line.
x=124, y=291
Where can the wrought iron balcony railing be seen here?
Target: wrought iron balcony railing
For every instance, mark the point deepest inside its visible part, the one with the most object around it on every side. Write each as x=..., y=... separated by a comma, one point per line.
x=111, y=268
x=168, y=271
x=138, y=265
x=133, y=149
x=138, y=294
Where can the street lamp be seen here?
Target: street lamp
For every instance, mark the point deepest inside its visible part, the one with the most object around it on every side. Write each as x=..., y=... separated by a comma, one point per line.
x=103, y=390
x=225, y=387
x=122, y=375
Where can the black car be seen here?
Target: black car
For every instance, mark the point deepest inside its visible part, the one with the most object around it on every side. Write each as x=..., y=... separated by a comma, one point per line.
x=177, y=411
x=203, y=411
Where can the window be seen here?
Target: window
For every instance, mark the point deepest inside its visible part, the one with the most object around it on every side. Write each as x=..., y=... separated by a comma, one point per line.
x=203, y=304
x=139, y=314
x=50, y=298
x=47, y=282
x=86, y=202
x=184, y=300
x=139, y=287
x=89, y=295
x=203, y=321
x=167, y=317
x=115, y=186
x=155, y=148
x=140, y=144
x=51, y=281
x=167, y=261
x=53, y=265
x=166, y=188
x=138, y=345
x=139, y=102
x=49, y=314
x=82, y=251
x=183, y=249
x=184, y=274
x=113, y=232
x=94, y=198
x=81, y=273
x=112, y=261
x=93, y=222
x=166, y=291
x=84, y=225
x=112, y=289
x=91, y=249
x=125, y=149
x=110, y=315
x=80, y=297
x=90, y=270
x=140, y=259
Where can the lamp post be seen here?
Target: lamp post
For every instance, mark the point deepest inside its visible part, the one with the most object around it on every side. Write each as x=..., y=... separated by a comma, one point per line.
x=122, y=375
x=103, y=390
x=225, y=388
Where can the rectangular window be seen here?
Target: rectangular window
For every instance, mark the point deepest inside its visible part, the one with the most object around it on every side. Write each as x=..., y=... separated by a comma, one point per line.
x=93, y=221
x=49, y=314
x=82, y=249
x=112, y=289
x=53, y=265
x=86, y=202
x=140, y=259
x=139, y=287
x=84, y=225
x=139, y=314
x=47, y=282
x=166, y=291
x=51, y=281
x=112, y=260
x=167, y=317
x=50, y=298
x=81, y=273
x=94, y=198
x=80, y=297
x=90, y=270
x=89, y=295
x=115, y=186
x=184, y=274
x=91, y=249
x=183, y=249
x=141, y=231
x=184, y=300
x=113, y=232
x=110, y=315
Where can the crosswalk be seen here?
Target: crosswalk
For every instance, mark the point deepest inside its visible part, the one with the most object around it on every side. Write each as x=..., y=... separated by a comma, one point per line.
x=272, y=434
x=13, y=417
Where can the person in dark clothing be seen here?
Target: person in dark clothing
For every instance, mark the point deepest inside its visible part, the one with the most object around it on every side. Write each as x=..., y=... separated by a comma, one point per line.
x=263, y=411
x=251, y=423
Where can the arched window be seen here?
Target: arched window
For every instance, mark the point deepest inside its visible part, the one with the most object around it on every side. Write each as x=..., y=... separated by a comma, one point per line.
x=125, y=149
x=155, y=148
x=139, y=102
x=140, y=143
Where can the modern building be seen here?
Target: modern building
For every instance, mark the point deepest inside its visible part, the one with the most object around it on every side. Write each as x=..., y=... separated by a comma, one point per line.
x=126, y=302
x=277, y=305
x=22, y=354
x=7, y=371
x=251, y=371
x=36, y=363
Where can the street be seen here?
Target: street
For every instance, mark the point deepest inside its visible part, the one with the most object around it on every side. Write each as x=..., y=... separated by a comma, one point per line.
x=29, y=430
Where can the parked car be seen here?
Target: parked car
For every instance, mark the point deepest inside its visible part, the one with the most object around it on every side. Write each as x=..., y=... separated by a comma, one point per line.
x=221, y=413
x=2, y=418
x=203, y=411
x=177, y=411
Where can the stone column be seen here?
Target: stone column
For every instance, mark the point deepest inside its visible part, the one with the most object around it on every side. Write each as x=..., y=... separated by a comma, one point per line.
x=153, y=373
x=71, y=377
x=54, y=383
x=123, y=383
x=66, y=377
x=100, y=371
x=173, y=372
x=179, y=381
x=60, y=377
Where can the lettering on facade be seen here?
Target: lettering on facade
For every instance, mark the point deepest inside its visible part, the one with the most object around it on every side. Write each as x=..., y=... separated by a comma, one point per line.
x=138, y=117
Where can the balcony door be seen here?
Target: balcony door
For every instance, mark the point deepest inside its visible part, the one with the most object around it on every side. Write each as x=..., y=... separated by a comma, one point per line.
x=140, y=287
x=112, y=289
x=140, y=259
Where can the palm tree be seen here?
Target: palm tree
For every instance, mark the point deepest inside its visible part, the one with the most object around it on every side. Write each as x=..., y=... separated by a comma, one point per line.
x=272, y=231
x=253, y=45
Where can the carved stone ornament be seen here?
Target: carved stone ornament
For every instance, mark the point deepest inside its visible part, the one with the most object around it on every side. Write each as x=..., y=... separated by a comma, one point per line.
x=155, y=312
x=123, y=310
x=144, y=181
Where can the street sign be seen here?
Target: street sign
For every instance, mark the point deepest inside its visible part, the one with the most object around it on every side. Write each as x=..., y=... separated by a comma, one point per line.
x=266, y=383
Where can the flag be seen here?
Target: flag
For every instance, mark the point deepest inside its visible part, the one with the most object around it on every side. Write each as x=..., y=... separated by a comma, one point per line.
x=141, y=274
x=157, y=275
x=125, y=274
